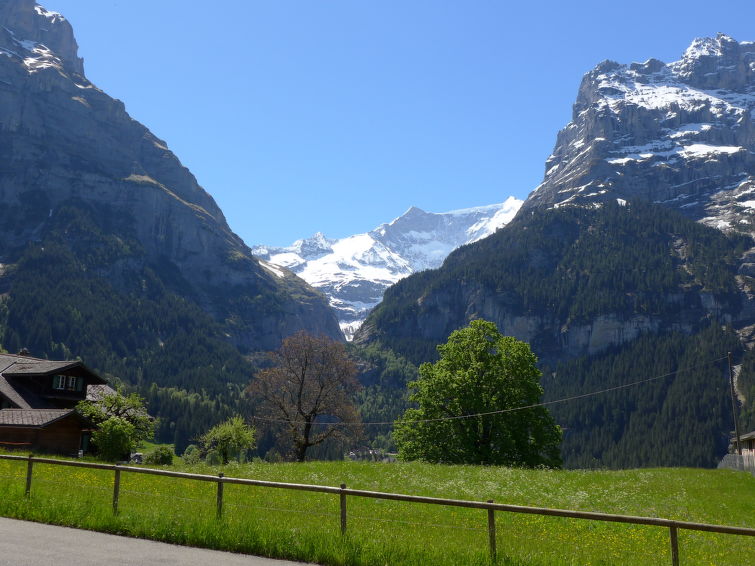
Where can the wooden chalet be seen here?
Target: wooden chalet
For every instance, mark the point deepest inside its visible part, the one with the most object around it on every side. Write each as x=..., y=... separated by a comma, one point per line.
x=37, y=401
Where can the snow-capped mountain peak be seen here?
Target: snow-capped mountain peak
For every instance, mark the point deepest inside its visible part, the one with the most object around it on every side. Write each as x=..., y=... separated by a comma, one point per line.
x=355, y=271
x=678, y=133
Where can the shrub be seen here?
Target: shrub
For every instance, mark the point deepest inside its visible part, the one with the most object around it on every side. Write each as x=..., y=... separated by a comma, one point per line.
x=162, y=456
x=191, y=455
x=114, y=439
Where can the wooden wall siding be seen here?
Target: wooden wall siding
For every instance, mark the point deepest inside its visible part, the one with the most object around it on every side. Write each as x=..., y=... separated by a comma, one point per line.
x=61, y=437
x=21, y=437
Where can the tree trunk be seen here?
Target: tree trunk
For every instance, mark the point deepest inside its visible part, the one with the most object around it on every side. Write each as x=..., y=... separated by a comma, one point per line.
x=301, y=448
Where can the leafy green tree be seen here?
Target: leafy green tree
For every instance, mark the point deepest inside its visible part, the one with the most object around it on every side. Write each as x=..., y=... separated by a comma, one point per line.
x=121, y=421
x=229, y=439
x=485, y=375
x=129, y=407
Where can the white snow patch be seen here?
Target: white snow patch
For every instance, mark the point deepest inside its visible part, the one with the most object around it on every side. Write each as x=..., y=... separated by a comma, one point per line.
x=43, y=59
x=690, y=130
x=287, y=259
x=274, y=269
x=54, y=17
x=701, y=149
x=661, y=149
x=621, y=160
x=486, y=227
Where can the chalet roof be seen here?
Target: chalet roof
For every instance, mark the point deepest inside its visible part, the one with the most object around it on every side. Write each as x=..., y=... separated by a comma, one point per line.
x=35, y=418
x=21, y=396
x=99, y=391
x=7, y=390
x=748, y=436
x=25, y=366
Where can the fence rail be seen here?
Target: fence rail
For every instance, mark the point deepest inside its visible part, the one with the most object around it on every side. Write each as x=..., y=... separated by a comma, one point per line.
x=343, y=492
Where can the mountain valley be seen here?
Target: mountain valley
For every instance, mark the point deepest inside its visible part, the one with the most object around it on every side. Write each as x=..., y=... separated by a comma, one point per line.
x=630, y=269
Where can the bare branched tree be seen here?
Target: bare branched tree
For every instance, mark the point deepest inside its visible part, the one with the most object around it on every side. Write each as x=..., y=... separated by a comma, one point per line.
x=308, y=391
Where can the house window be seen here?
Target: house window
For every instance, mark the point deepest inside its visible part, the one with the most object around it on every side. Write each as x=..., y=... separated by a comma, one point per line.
x=67, y=383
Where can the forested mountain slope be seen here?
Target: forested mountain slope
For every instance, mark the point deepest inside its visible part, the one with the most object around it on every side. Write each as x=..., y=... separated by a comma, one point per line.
x=572, y=281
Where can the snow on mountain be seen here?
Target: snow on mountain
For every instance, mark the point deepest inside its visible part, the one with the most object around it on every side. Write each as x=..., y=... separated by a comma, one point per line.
x=680, y=134
x=353, y=272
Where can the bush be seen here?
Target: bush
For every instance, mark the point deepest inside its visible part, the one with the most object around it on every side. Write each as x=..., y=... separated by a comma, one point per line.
x=191, y=455
x=213, y=458
x=114, y=439
x=162, y=456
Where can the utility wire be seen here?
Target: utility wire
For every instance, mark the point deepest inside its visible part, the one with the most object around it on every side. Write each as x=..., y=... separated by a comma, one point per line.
x=501, y=411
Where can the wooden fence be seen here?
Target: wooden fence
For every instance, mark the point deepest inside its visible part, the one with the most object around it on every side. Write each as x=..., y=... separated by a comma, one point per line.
x=343, y=492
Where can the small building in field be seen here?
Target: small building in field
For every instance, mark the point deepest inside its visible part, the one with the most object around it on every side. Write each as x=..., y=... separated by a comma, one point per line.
x=37, y=401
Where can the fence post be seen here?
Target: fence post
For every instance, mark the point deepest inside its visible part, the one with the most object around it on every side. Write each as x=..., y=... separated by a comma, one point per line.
x=491, y=532
x=29, y=467
x=343, y=509
x=674, y=546
x=116, y=489
x=220, y=495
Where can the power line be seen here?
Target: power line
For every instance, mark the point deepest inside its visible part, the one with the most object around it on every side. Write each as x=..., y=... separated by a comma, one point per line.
x=501, y=411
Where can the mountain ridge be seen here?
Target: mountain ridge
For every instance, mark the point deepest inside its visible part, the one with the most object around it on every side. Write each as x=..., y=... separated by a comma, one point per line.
x=679, y=134
x=355, y=271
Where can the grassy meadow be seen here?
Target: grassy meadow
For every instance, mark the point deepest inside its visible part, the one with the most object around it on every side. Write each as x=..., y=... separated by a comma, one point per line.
x=305, y=526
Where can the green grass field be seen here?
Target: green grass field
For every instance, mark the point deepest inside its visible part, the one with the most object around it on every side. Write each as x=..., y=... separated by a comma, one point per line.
x=305, y=526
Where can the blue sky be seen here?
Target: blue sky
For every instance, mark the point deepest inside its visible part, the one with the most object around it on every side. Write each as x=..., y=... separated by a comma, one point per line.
x=338, y=115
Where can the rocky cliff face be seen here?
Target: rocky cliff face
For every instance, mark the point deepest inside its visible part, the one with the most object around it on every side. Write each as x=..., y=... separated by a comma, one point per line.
x=680, y=134
x=354, y=272
x=30, y=26
x=62, y=140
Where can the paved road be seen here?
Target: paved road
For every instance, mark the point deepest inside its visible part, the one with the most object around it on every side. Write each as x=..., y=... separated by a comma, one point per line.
x=33, y=544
